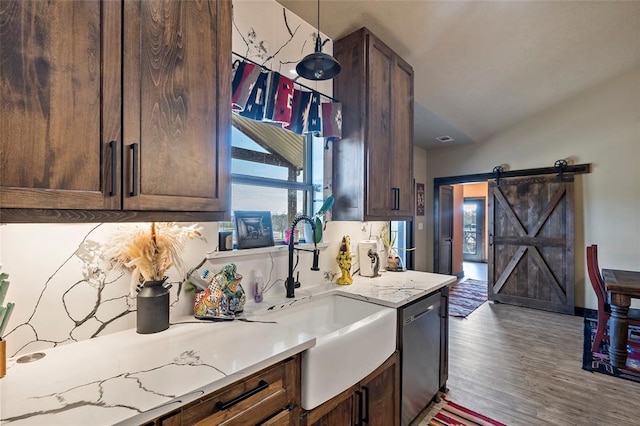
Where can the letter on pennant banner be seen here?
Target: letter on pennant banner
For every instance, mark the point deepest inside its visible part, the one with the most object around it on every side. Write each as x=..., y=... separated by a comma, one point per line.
x=244, y=79
x=299, y=110
x=314, y=125
x=270, y=95
x=256, y=103
x=332, y=120
x=284, y=101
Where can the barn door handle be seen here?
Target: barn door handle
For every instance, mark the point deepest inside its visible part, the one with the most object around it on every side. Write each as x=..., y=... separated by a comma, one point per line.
x=490, y=239
x=134, y=173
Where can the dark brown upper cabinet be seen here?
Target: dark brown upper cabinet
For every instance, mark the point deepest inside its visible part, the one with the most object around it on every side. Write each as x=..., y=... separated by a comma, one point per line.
x=373, y=162
x=115, y=111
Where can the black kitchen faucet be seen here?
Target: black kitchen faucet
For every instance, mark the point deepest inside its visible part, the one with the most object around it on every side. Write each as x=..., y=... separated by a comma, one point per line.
x=290, y=283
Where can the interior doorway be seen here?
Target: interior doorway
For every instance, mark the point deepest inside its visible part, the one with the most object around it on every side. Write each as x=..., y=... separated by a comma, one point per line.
x=461, y=232
x=473, y=229
x=446, y=213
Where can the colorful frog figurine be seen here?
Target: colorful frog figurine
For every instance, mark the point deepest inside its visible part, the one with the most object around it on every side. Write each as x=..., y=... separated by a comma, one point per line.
x=223, y=298
x=344, y=261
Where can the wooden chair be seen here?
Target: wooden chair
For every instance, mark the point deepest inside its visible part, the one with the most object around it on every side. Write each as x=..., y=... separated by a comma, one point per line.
x=597, y=282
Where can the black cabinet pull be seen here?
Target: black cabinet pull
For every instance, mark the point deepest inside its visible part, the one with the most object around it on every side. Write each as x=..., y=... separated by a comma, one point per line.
x=114, y=161
x=134, y=174
x=359, y=422
x=365, y=419
x=393, y=198
x=262, y=385
x=395, y=194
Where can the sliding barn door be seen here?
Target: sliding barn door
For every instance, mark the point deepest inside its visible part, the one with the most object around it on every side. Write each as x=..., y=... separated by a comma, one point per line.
x=531, y=242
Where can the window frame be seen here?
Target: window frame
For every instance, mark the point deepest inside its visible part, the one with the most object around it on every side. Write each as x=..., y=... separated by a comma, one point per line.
x=306, y=185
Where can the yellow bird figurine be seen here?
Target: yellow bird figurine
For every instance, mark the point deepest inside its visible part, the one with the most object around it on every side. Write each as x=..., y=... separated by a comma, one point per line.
x=344, y=261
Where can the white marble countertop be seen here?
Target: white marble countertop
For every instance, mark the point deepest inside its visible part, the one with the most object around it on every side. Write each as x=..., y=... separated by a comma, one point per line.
x=130, y=378
x=395, y=289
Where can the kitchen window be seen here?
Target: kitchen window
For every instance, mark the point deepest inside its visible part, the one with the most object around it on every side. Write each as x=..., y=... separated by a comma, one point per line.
x=275, y=170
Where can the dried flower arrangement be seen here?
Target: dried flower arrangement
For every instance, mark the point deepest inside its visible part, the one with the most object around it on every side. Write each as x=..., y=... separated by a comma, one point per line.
x=148, y=251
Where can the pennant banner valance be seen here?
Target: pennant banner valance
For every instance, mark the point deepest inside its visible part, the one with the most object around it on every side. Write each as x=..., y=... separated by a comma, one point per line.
x=268, y=96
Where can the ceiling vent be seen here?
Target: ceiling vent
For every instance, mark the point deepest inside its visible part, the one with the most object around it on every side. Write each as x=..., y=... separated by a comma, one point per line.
x=444, y=139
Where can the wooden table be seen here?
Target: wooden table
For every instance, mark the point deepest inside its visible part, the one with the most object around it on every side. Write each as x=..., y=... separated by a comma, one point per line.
x=621, y=286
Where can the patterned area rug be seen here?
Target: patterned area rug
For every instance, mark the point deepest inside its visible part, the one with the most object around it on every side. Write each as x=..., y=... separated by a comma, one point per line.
x=599, y=361
x=466, y=296
x=452, y=414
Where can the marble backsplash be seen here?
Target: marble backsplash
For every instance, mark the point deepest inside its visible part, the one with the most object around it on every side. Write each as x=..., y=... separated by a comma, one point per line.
x=65, y=292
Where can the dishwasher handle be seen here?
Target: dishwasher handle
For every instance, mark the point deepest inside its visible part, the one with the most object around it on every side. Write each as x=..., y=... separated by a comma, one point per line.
x=417, y=316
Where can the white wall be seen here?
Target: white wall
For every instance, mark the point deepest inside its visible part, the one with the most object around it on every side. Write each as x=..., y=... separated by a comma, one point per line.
x=601, y=127
x=421, y=223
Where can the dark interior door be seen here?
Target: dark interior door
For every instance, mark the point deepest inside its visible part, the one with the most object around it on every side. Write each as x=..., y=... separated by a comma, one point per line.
x=473, y=230
x=445, y=230
x=531, y=240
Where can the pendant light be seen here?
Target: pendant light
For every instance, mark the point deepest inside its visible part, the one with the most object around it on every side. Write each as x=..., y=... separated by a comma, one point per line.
x=318, y=65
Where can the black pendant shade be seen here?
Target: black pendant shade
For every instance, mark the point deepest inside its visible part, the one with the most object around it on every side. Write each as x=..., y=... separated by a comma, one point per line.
x=318, y=65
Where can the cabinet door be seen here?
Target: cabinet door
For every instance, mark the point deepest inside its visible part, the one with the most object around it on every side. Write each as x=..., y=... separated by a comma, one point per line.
x=177, y=59
x=402, y=130
x=381, y=394
x=341, y=414
x=60, y=112
x=378, y=131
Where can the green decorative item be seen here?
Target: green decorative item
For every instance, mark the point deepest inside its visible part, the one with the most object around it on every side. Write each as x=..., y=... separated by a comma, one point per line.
x=5, y=311
x=317, y=218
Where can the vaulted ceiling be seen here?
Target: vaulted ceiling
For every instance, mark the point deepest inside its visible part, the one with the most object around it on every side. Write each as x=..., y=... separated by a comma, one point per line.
x=483, y=66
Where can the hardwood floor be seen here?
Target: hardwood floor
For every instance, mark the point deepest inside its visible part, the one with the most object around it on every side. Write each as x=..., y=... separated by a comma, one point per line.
x=522, y=366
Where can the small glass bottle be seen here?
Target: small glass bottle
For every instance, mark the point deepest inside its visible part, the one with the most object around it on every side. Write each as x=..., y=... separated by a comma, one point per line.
x=258, y=286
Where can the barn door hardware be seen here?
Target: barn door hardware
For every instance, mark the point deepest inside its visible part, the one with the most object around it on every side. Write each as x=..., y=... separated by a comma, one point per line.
x=561, y=166
x=498, y=171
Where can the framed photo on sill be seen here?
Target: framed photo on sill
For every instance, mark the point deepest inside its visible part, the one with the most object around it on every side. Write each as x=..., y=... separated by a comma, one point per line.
x=253, y=229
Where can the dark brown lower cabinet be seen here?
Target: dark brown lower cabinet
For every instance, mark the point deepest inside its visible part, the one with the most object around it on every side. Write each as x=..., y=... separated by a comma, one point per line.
x=269, y=397
x=373, y=401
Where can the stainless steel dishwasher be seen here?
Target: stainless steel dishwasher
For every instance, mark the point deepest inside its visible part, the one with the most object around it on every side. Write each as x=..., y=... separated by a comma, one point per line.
x=420, y=362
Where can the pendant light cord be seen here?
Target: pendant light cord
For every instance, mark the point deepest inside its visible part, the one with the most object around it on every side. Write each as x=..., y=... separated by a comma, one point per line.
x=318, y=18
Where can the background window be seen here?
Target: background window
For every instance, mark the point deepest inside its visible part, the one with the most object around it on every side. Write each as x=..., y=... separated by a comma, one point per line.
x=275, y=170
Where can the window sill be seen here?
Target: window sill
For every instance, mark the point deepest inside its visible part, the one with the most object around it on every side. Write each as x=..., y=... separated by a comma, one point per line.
x=261, y=250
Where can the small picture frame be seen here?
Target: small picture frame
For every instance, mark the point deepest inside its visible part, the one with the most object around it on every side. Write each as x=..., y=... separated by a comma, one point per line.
x=420, y=199
x=253, y=229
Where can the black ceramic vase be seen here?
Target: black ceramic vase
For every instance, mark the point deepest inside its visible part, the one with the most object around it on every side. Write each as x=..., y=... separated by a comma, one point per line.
x=152, y=313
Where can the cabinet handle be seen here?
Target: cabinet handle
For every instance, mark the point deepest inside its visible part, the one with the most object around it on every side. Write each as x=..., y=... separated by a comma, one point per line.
x=395, y=193
x=134, y=173
x=359, y=422
x=114, y=160
x=365, y=419
x=262, y=385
